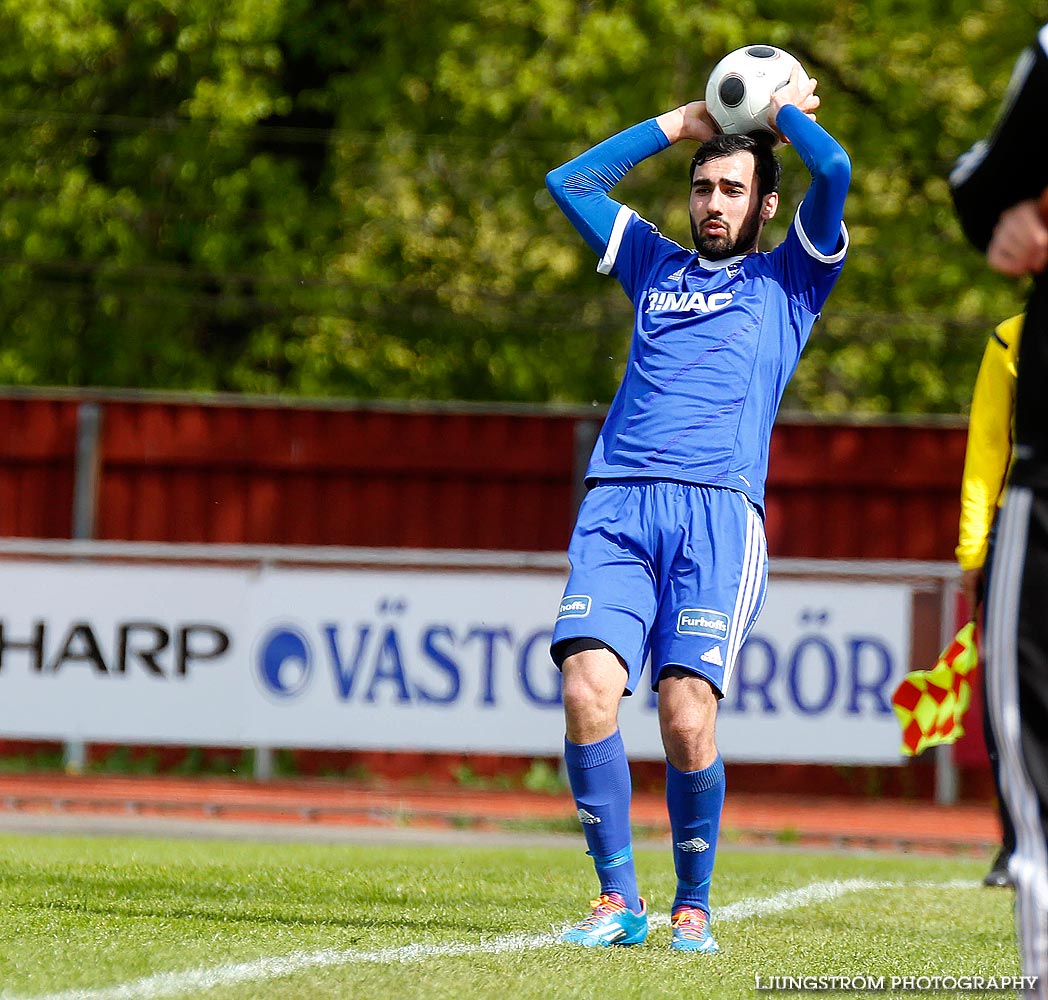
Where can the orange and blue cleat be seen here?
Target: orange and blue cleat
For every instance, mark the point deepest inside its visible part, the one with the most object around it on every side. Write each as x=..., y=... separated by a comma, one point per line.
x=691, y=931
x=609, y=922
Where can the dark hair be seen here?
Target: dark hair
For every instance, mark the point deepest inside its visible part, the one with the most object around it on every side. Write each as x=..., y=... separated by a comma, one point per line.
x=766, y=163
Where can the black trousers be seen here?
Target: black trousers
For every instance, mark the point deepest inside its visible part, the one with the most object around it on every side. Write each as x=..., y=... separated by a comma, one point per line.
x=989, y=737
x=1017, y=682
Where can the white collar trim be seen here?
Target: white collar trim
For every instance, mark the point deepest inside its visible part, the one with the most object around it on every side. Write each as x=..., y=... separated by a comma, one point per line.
x=717, y=265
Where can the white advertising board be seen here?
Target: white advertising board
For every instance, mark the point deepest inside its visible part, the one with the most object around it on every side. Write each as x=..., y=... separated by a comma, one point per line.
x=440, y=660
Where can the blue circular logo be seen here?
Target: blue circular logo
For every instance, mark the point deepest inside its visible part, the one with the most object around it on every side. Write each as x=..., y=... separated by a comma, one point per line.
x=284, y=661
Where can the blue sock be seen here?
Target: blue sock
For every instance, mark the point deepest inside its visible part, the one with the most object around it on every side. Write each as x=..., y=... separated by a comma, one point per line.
x=600, y=782
x=694, y=800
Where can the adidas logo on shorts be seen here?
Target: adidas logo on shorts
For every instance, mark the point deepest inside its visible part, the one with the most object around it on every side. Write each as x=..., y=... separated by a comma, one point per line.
x=713, y=655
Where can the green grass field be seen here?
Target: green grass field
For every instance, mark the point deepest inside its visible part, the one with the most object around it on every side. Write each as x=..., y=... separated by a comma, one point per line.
x=136, y=919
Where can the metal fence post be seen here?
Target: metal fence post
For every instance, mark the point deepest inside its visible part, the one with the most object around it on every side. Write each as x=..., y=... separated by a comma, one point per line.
x=586, y=432
x=263, y=763
x=946, y=782
x=86, y=467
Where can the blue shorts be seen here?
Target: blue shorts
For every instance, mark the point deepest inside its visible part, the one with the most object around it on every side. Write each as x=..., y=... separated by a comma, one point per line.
x=669, y=569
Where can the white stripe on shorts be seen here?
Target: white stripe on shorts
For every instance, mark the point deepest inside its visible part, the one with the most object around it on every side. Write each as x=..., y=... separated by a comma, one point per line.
x=750, y=598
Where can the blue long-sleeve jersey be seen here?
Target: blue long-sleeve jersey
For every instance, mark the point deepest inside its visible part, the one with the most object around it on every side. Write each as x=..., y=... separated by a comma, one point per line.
x=714, y=342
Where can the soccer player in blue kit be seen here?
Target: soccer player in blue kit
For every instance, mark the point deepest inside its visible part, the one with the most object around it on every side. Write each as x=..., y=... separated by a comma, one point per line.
x=668, y=554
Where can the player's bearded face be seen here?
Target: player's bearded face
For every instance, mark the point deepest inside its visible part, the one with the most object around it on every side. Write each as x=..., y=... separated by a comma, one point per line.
x=727, y=241
x=725, y=206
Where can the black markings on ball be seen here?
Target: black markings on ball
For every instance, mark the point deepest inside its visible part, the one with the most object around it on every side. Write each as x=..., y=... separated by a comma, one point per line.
x=732, y=90
x=761, y=51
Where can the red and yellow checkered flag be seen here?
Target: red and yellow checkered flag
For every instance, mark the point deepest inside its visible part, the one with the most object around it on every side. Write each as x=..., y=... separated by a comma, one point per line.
x=930, y=704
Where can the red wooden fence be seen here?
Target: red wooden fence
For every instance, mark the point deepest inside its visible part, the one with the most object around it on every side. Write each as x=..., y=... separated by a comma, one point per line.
x=192, y=469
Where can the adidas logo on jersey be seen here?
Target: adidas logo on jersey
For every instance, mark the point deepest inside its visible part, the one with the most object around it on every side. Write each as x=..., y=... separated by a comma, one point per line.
x=588, y=818
x=713, y=655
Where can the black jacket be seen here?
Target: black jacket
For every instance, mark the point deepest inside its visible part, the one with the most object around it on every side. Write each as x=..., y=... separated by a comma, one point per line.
x=996, y=173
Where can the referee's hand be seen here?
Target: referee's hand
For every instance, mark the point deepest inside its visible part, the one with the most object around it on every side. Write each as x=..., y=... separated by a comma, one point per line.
x=1019, y=244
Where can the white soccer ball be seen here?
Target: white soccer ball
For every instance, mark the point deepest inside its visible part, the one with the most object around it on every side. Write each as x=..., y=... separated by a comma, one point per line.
x=738, y=92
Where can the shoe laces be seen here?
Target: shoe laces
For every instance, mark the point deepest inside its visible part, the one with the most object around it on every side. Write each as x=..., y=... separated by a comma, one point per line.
x=601, y=908
x=690, y=922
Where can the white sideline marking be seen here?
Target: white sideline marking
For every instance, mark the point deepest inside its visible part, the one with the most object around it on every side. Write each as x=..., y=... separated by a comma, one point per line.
x=170, y=984
x=816, y=892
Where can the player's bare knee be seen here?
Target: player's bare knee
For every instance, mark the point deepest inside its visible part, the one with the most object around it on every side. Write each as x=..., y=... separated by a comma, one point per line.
x=686, y=731
x=689, y=746
x=591, y=692
x=582, y=691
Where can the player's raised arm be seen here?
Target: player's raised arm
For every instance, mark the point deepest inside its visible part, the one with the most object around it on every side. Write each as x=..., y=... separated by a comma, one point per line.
x=822, y=211
x=580, y=187
x=689, y=121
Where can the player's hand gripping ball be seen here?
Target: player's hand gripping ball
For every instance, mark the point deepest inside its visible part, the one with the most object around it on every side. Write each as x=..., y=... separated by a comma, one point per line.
x=738, y=92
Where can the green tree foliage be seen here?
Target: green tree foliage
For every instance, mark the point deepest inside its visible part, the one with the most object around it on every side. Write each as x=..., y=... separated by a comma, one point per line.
x=346, y=197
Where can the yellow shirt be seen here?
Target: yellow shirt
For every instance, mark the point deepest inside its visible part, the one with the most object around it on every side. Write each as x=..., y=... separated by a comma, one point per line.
x=989, y=449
